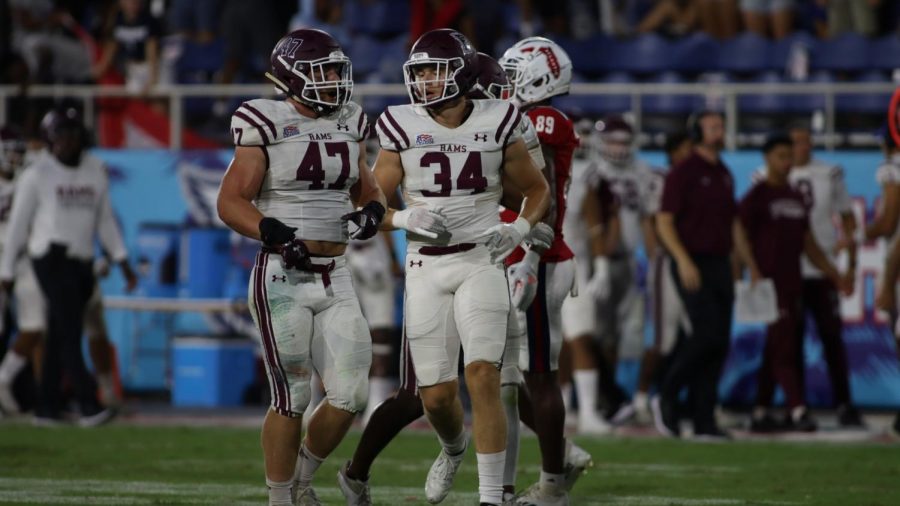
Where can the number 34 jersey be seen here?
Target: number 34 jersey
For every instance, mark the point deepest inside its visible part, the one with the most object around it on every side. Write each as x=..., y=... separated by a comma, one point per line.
x=312, y=163
x=453, y=171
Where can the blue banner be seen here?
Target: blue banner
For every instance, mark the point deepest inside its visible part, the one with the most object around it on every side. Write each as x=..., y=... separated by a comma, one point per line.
x=155, y=186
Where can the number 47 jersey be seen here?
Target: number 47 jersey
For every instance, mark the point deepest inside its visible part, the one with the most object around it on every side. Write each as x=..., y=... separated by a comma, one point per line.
x=453, y=171
x=312, y=163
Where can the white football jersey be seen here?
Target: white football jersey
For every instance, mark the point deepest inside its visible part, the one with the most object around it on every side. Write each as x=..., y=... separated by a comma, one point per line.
x=889, y=173
x=825, y=194
x=7, y=188
x=312, y=163
x=574, y=228
x=633, y=185
x=454, y=171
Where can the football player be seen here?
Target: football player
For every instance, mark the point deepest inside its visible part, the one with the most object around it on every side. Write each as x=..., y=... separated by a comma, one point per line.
x=621, y=302
x=669, y=317
x=454, y=156
x=541, y=277
x=405, y=406
x=825, y=193
x=30, y=309
x=301, y=294
x=886, y=224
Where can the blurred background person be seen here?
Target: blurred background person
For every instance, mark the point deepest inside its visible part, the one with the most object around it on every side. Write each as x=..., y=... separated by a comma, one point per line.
x=674, y=18
x=132, y=47
x=666, y=311
x=698, y=225
x=776, y=217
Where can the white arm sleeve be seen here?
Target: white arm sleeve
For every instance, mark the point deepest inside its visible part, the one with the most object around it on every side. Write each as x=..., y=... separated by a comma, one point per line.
x=25, y=204
x=843, y=202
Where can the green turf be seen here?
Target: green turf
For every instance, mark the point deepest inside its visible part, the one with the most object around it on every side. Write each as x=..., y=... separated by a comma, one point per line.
x=136, y=465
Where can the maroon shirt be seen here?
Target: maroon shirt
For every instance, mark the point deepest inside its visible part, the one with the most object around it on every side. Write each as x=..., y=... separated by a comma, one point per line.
x=776, y=219
x=700, y=196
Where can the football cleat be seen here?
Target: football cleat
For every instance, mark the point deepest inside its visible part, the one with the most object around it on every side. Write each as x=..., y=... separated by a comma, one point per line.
x=440, y=476
x=537, y=496
x=355, y=491
x=576, y=463
x=307, y=497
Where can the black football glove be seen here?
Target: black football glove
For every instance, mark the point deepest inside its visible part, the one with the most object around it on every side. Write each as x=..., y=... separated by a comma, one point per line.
x=366, y=219
x=274, y=233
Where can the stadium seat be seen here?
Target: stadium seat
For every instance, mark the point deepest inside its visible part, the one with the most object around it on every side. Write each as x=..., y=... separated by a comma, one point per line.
x=782, y=48
x=746, y=53
x=668, y=103
x=646, y=54
x=204, y=59
x=866, y=103
x=848, y=52
x=765, y=103
x=695, y=53
x=592, y=55
x=599, y=105
x=388, y=17
x=885, y=54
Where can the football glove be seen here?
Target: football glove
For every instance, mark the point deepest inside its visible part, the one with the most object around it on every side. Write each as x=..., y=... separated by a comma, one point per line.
x=366, y=220
x=503, y=238
x=523, y=281
x=280, y=237
x=541, y=236
x=419, y=220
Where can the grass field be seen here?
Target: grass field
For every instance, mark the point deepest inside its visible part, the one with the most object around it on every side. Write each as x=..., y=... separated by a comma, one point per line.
x=124, y=465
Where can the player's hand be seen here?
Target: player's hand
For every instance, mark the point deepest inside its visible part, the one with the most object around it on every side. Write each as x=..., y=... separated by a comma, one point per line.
x=523, y=281
x=690, y=276
x=366, y=220
x=503, y=238
x=541, y=236
x=421, y=221
x=274, y=233
x=598, y=286
x=131, y=279
x=295, y=255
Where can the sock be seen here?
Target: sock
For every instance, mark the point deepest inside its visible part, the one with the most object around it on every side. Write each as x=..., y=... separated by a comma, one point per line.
x=639, y=401
x=490, y=476
x=12, y=365
x=456, y=445
x=280, y=492
x=509, y=395
x=552, y=484
x=566, y=391
x=586, y=388
x=379, y=390
x=307, y=464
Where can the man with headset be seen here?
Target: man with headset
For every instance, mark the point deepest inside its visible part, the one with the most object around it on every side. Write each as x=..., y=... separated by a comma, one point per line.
x=699, y=227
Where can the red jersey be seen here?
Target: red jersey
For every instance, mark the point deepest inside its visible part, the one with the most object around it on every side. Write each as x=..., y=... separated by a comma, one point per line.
x=556, y=131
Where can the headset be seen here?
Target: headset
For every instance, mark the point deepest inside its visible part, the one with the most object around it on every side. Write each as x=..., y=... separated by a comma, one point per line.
x=695, y=130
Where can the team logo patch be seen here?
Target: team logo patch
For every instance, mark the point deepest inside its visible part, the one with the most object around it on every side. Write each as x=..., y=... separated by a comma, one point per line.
x=424, y=139
x=290, y=131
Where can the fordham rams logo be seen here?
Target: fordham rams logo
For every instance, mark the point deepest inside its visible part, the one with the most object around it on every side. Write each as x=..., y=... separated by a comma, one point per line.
x=466, y=45
x=289, y=47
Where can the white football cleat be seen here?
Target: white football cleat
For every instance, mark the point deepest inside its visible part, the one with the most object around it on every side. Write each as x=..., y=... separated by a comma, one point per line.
x=537, y=496
x=440, y=476
x=577, y=461
x=7, y=400
x=355, y=491
x=307, y=497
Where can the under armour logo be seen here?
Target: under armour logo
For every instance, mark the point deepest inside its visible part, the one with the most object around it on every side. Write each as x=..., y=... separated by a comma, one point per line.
x=481, y=137
x=275, y=278
x=413, y=263
x=345, y=128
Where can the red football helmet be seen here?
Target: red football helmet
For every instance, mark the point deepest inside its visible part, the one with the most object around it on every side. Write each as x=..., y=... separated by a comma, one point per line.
x=491, y=81
x=301, y=63
x=12, y=151
x=616, y=139
x=453, y=64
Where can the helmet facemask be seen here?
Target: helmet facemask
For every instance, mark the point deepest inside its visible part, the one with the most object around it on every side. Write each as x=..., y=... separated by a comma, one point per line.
x=444, y=74
x=321, y=93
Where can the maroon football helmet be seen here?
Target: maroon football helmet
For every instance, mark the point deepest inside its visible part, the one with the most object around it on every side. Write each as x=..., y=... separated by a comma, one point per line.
x=12, y=151
x=453, y=66
x=616, y=139
x=491, y=80
x=301, y=63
